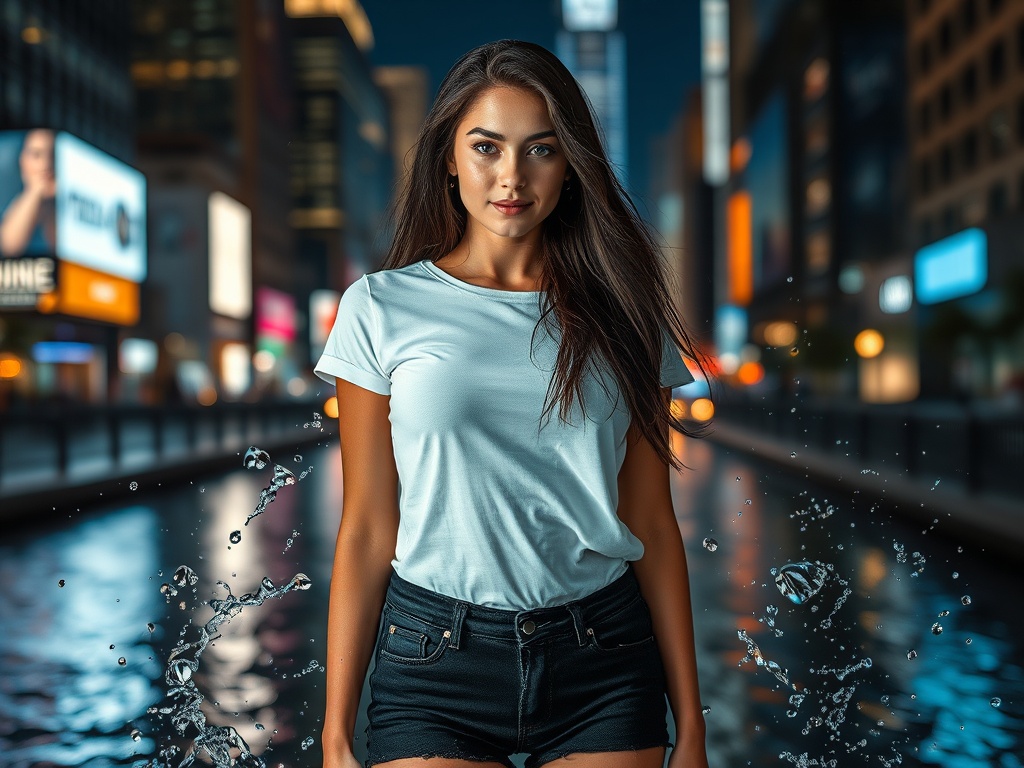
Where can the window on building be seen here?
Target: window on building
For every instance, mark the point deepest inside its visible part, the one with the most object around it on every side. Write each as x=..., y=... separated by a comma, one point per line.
x=1020, y=45
x=969, y=84
x=998, y=199
x=924, y=177
x=946, y=164
x=999, y=132
x=945, y=102
x=924, y=118
x=997, y=62
x=968, y=16
x=924, y=57
x=1020, y=121
x=969, y=150
x=945, y=37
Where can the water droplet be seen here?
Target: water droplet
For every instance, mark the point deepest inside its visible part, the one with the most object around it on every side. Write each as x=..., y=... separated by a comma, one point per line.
x=793, y=352
x=255, y=458
x=966, y=599
x=167, y=589
x=301, y=581
x=705, y=709
x=995, y=701
x=710, y=544
x=151, y=626
x=133, y=485
x=911, y=654
x=185, y=577
x=885, y=700
x=737, y=478
x=122, y=661
x=748, y=502
x=111, y=646
x=936, y=628
x=792, y=454
x=943, y=614
x=235, y=537
x=307, y=743
x=789, y=279
x=968, y=641
x=61, y=583
x=136, y=734
x=297, y=458
x=180, y=671
x=801, y=581
x=956, y=575
x=260, y=727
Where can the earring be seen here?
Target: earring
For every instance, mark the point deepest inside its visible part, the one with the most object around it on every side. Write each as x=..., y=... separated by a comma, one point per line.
x=451, y=181
x=567, y=186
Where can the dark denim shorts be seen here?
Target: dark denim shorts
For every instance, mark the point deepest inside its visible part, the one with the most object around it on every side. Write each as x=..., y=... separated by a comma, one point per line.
x=459, y=680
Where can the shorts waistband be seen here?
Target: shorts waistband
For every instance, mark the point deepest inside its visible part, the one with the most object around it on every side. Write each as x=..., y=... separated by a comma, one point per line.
x=527, y=626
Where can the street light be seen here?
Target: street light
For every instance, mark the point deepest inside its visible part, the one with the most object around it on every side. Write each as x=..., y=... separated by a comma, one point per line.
x=869, y=343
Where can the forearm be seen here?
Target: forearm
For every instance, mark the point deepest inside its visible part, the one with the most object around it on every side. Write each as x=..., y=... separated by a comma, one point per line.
x=19, y=220
x=665, y=585
x=359, y=582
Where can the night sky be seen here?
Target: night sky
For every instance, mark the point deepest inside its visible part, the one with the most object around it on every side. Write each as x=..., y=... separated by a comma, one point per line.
x=662, y=48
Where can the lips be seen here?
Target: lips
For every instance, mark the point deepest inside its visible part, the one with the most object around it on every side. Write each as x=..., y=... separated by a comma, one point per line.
x=511, y=207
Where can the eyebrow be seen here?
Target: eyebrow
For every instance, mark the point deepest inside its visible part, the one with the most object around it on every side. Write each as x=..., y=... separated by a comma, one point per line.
x=498, y=137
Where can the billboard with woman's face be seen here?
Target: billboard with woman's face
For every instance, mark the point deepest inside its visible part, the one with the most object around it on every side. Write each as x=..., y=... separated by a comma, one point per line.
x=60, y=196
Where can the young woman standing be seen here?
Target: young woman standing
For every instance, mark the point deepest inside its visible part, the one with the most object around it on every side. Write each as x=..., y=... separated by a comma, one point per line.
x=521, y=581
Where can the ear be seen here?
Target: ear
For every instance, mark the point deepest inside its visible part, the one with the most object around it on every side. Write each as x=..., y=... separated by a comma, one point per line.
x=452, y=169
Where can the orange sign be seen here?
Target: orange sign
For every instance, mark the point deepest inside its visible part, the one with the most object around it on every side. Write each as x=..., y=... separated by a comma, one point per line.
x=739, y=247
x=84, y=292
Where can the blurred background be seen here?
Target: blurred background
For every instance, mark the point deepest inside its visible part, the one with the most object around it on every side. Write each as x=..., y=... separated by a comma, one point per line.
x=188, y=186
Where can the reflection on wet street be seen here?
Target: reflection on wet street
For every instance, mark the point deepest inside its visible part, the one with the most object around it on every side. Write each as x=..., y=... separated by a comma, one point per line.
x=881, y=644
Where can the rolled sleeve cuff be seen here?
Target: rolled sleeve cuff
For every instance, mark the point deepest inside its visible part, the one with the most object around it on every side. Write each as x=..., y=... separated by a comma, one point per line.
x=330, y=367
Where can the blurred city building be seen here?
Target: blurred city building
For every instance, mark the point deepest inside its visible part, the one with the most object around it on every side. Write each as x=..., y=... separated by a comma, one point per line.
x=966, y=61
x=341, y=158
x=72, y=237
x=214, y=115
x=595, y=53
x=407, y=97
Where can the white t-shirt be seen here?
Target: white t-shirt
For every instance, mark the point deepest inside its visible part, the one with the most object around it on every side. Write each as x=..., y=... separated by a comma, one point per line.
x=496, y=508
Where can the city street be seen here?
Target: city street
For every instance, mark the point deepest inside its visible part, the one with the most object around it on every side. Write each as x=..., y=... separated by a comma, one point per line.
x=903, y=649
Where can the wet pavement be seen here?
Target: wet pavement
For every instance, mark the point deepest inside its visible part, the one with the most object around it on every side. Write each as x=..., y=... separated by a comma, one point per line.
x=885, y=664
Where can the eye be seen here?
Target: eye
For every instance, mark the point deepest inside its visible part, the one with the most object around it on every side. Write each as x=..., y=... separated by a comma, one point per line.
x=485, y=148
x=542, y=150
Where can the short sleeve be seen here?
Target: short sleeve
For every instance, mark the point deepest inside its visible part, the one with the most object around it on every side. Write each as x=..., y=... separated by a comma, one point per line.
x=674, y=372
x=352, y=351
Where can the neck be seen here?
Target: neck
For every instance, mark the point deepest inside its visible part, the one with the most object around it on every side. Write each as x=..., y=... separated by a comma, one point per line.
x=509, y=260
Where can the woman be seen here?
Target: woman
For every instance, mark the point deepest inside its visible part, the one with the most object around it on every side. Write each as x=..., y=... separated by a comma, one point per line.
x=28, y=224
x=532, y=596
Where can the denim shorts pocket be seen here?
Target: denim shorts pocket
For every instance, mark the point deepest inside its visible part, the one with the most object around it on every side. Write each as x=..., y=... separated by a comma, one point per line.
x=408, y=639
x=626, y=629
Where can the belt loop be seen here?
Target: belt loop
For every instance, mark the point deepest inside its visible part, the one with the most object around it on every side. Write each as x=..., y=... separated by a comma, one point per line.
x=577, y=616
x=457, y=617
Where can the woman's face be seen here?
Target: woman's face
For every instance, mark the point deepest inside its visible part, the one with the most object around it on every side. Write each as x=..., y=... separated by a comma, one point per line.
x=37, y=158
x=509, y=164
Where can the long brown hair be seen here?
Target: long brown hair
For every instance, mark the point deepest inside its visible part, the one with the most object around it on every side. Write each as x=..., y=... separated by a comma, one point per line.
x=605, y=280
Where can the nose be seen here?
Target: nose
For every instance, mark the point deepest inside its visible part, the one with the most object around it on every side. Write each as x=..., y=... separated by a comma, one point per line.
x=511, y=172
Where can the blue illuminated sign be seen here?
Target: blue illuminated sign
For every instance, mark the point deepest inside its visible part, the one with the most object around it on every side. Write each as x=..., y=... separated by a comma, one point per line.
x=954, y=267
x=62, y=352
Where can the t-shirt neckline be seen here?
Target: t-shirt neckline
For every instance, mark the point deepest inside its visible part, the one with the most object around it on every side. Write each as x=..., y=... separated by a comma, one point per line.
x=491, y=293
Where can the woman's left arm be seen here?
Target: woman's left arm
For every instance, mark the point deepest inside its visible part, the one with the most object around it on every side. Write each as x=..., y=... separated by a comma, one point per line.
x=645, y=506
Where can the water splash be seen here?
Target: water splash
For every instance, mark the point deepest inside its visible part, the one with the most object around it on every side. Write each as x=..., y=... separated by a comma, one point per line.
x=710, y=544
x=754, y=653
x=216, y=742
x=282, y=477
x=255, y=458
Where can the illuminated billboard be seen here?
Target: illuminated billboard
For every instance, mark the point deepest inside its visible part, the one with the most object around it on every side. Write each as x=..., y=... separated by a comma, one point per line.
x=275, y=320
x=589, y=15
x=323, y=309
x=101, y=210
x=230, y=257
x=953, y=267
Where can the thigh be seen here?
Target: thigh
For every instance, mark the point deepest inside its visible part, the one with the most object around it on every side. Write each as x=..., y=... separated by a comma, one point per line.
x=641, y=758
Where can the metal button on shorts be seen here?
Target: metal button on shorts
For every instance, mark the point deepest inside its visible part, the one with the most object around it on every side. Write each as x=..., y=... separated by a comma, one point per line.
x=528, y=627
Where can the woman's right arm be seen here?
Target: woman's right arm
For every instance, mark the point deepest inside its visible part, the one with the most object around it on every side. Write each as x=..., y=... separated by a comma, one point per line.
x=362, y=559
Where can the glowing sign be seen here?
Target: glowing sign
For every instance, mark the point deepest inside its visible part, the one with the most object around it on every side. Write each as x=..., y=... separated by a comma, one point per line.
x=589, y=15
x=953, y=267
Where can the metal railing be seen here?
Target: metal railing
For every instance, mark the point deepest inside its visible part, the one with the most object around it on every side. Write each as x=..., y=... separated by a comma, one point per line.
x=70, y=444
x=972, y=447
